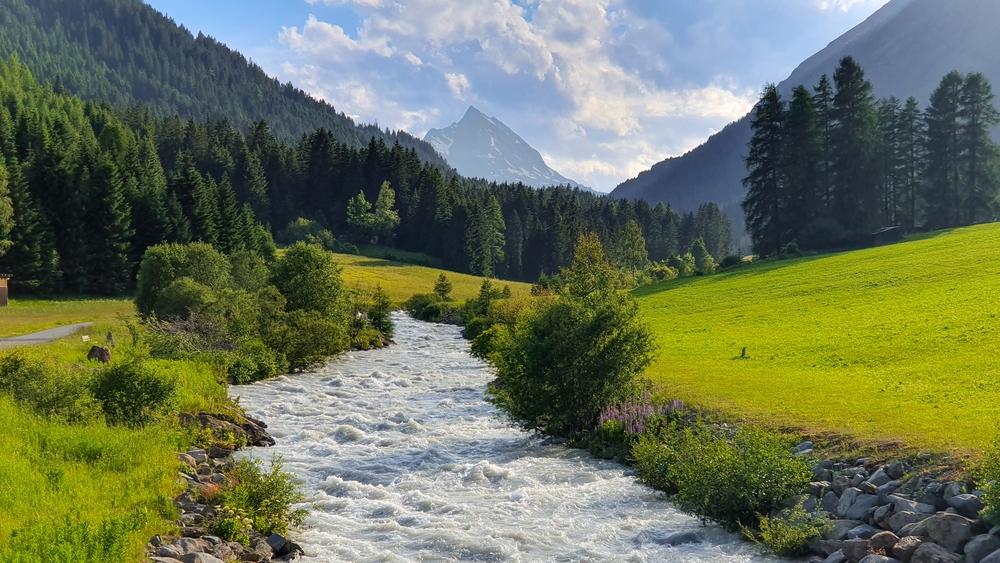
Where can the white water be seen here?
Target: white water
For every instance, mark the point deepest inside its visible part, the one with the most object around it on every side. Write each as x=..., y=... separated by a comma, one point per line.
x=401, y=459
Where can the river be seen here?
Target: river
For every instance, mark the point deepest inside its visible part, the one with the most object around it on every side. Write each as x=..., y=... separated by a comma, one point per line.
x=401, y=459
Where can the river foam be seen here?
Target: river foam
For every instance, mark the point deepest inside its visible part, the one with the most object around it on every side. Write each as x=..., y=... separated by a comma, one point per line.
x=401, y=459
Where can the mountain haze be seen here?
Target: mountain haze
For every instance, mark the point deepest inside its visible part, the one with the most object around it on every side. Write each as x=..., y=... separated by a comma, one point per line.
x=481, y=146
x=123, y=52
x=905, y=48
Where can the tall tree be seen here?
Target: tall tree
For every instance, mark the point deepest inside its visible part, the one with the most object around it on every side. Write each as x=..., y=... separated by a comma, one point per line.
x=911, y=133
x=109, y=268
x=485, y=238
x=979, y=152
x=32, y=257
x=6, y=212
x=823, y=102
x=853, y=146
x=386, y=217
x=803, y=156
x=765, y=199
x=628, y=247
x=943, y=172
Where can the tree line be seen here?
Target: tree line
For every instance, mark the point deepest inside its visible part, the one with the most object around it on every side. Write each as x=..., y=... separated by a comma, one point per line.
x=833, y=164
x=85, y=188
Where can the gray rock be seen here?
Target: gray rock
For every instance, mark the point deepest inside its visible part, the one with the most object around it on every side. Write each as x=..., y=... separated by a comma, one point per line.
x=950, y=531
x=855, y=550
x=917, y=529
x=883, y=542
x=191, y=545
x=953, y=490
x=887, y=489
x=200, y=558
x=836, y=557
x=896, y=470
x=966, y=504
x=830, y=500
x=847, y=500
x=881, y=514
x=992, y=558
x=838, y=529
x=157, y=559
x=906, y=547
x=861, y=506
x=933, y=553
x=900, y=520
x=819, y=488
x=822, y=474
x=187, y=460
x=840, y=484
x=875, y=558
x=864, y=532
x=168, y=551
x=825, y=547
x=906, y=505
x=879, y=478
x=199, y=456
x=980, y=546
x=933, y=494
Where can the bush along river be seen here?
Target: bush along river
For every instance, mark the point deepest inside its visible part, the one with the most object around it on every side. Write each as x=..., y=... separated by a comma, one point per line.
x=401, y=459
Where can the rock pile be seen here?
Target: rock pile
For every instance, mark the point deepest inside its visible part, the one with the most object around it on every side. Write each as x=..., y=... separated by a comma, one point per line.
x=888, y=514
x=205, y=475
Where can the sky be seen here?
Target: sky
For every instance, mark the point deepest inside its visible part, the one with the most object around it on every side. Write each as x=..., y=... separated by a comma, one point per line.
x=602, y=88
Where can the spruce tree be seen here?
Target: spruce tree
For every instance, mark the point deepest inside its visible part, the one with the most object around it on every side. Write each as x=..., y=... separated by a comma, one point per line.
x=823, y=102
x=803, y=156
x=628, y=248
x=911, y=133
x=232, y=222
x=109, y=269
x=979, y=152
x=764, y=204
x=485, y=238
x=853, y=147
x=205, y=215
x=32, y=257
x=386, y=218
x=890, y=157
x=6, y=212
x=943, y=172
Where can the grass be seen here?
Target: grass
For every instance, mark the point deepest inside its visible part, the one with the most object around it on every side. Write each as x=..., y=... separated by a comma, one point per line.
x=401, y=281
x=895, y=343
x=24, y=316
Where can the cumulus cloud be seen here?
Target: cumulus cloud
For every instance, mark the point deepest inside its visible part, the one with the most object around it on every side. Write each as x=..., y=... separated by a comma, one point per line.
x=458, y=83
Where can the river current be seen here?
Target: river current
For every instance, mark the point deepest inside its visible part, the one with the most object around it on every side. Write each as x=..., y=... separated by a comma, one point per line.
x=402, y=459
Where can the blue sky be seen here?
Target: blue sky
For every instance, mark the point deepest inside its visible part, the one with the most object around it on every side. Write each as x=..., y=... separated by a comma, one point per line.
x=602, y=88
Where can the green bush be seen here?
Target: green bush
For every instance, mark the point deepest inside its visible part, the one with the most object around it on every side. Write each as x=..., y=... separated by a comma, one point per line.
x=789, y=535
x=306, y=338
x=731, y=261
x=133, y=394
x=49, y=391
x=181, y=298
x=367, y=338
x=266, y=498
x=653, y=459
x=379, y=312
x=232, y=525
x=309, y=278
x=250, y=271
x=162, y=264
x=74, y=540
x=429, y=307
x=987, y=473
x=732, y=481
x=253, y=361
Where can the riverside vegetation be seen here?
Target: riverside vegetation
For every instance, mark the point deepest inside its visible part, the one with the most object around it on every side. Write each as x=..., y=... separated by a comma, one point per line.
x=95, y=444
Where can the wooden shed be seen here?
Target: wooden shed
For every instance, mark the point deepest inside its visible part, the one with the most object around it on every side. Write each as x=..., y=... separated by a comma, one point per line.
x=3, y=289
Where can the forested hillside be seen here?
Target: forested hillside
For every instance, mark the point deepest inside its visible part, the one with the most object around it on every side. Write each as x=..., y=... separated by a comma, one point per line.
x=91, y=187
x=124, y=52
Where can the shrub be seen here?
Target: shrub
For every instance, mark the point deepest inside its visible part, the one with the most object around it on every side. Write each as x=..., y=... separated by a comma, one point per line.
x=442, y=288
x=309, y=278
x=133, y=394
x=791, y=250
x=987, y=473
x=254, y=361
x=367, y=338
x=232, y=525
x=181, y=298
x=684, y=265
x=704, y=263
x=380, y=313
x=48, y=391
x=75, y=539
x=429, y=307
x=162, y=264
x=733, y=480
x=249, y=271
x=789, y=535
x=266, y=498
x=653, y=459
x=306, y=338
x=661, y=271
x=731, y=261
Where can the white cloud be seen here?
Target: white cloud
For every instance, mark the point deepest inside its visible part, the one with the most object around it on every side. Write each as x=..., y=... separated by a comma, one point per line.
x=458, y=83
x=846, y=5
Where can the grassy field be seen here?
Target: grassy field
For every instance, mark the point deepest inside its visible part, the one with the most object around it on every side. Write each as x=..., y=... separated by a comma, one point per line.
x=401, y=281
x=899, y=342
x=24, y=316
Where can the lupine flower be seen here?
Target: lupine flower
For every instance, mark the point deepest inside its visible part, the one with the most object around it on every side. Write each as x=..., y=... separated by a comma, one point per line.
x=633, y=414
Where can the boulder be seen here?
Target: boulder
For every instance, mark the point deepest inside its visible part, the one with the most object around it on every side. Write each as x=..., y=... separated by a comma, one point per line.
x=191, y=545
x=168, y=551
x=199, y=456
x=216, y=452
x=200, y=558
x=861, y=507
x=847, y=500
x=900, y=520
x=187, y=460
x=864, y=532
x=881, y=514
x=855, y=550
x=896, y=470
x=838, y=529
x=933, y=553
x=883, y=542
x=992, y=558
x=879, y=478
x=836, y=557
x=819, y=488
x=980, y=546
x=950, y=531
x=156, y=559
x=906, y=547
x=966, y=504
x=901, y=504
x=876, y=558
x=830, y=500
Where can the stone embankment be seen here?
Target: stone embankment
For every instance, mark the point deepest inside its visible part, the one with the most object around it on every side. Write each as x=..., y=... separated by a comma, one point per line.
x=889, y=513
x=205, y=474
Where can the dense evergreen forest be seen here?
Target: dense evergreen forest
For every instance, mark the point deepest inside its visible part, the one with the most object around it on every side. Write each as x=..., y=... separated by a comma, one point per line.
x=89, y=187
x=124, y=52
x=832, y=165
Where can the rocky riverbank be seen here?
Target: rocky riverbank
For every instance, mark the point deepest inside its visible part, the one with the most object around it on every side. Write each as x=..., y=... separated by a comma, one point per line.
x=889, y=513
x=206, y=473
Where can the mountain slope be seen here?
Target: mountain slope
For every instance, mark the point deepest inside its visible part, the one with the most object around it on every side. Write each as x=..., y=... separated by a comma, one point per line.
x=905, y=49
x=483, y=147
x=124, y=52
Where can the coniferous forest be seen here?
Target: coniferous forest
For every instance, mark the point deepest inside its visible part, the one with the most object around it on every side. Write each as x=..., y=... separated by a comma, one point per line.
x=91, y=187
x=833, y=164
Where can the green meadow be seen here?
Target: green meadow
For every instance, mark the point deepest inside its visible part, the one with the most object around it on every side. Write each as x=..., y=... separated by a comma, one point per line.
x=26, y=315
x=894, y=343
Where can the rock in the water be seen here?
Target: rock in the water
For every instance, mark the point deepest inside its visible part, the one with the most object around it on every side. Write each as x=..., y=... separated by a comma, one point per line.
x=981, y=546
x=966, y=504
x=950, y=531
x=933, y=553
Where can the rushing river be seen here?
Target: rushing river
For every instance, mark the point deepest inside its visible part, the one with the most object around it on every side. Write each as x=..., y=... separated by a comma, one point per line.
x=401, y=459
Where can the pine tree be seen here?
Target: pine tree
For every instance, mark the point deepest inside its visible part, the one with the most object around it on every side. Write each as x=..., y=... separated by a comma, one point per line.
x=110, y=267
x=853, y=147
x=232, y=222
x=205, y=215
x=6, y=212
x=629, y=247
x=442, y=288
x=979, y=152
x=823, y=102
x=704, y=263
x=943, y=173
x=803, y=156
x=911, y=146
x=32, y=257
x=890, y=157
x=764, y=204
x=386, y=217
x=485, y=238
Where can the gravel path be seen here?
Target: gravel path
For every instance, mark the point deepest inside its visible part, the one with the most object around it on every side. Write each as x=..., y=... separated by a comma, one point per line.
x=42, y=337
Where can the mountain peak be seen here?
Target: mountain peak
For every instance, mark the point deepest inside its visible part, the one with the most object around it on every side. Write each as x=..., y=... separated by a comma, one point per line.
x=481, y=146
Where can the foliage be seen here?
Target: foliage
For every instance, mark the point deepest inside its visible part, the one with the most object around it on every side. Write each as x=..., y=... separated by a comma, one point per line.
x=789, y=535
x=183, y=297
x=306, y=338
x=76, y=540
x=379, y=312
x=429, y=307
x=654, y=459
x=133, y=393
x=162, y=265
x=703, y=261
x=443, y=287
x=733, y=480
x=254, y=361
x=309, y=278
x=987, y=474
x=575, y=355
x=265, y=497
x=232, y=525
x=48, y=390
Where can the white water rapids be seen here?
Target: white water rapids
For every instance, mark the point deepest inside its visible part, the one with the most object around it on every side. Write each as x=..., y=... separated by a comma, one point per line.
x=401, y=459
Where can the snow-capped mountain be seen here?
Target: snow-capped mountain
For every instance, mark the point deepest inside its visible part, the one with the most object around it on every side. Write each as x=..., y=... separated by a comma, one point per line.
x=481, y=146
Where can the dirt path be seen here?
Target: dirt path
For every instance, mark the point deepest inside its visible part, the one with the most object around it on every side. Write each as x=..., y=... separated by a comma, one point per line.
x=42, y=337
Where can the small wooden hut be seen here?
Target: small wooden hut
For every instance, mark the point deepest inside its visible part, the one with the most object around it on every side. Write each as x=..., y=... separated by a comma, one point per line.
x=3, y=289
